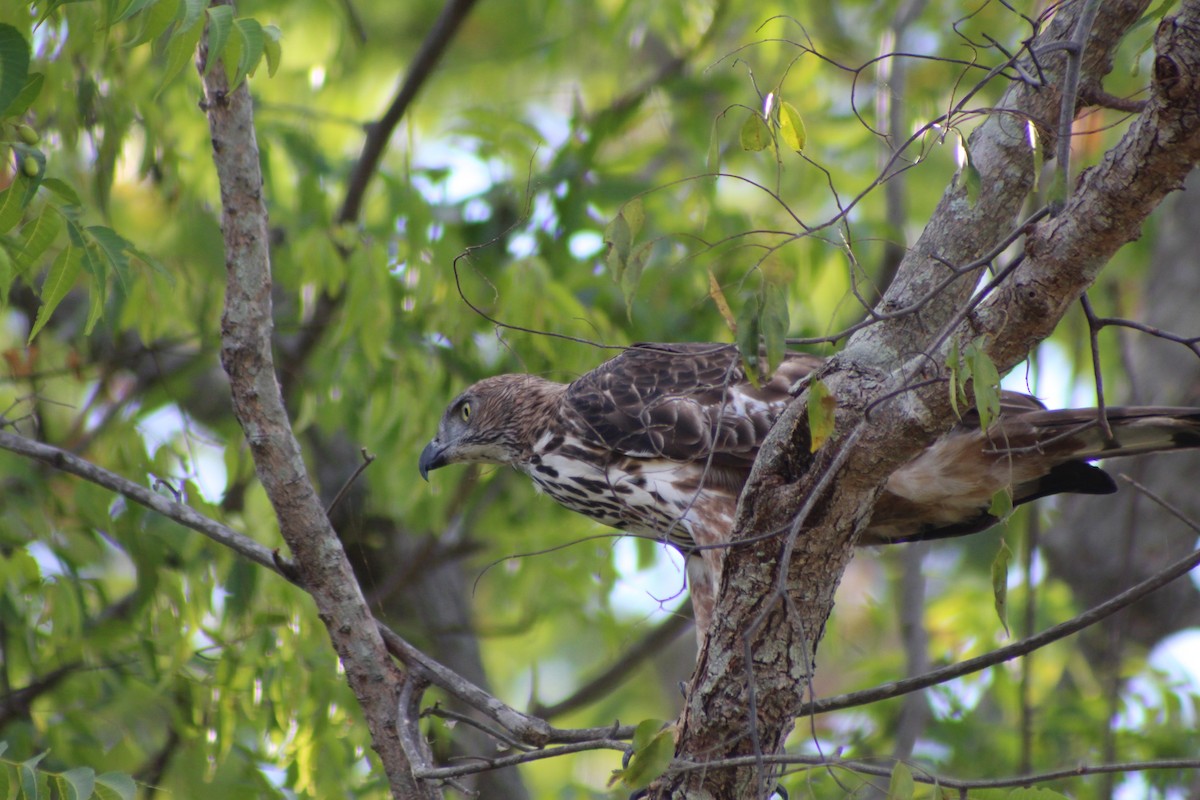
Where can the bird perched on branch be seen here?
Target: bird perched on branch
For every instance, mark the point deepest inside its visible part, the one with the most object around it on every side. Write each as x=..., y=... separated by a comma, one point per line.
x=659, y=442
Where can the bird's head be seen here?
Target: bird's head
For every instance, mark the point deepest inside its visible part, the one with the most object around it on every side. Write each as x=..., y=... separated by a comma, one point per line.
x=493, y=422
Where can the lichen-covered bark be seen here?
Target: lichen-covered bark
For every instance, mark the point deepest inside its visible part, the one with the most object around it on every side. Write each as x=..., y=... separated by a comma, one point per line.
x=777, y=591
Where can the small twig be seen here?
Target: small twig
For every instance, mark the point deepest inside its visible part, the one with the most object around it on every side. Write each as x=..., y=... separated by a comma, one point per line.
x=466, y=719
x=1094, y=95
x=171, y=509
x=1088, y=618
x=486, y=764
x=366, y=462
x=1166, y=506
x=1098, y=376
x=1070, y=94
x=1190, y=342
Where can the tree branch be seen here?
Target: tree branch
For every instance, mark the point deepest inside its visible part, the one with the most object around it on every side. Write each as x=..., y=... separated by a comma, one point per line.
x=246, y=328
x=763, y=640
x=529, y=729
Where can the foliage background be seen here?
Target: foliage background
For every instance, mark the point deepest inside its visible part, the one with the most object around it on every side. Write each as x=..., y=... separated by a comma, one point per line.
x=132, y=645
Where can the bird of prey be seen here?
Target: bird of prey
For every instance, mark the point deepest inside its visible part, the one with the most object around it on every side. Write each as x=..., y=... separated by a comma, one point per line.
x=659, y=442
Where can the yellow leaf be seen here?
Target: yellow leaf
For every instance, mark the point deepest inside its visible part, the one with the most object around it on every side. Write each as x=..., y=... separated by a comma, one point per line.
x=791, y=127
x=718, y=297
x=821, y=414
x=755, y=135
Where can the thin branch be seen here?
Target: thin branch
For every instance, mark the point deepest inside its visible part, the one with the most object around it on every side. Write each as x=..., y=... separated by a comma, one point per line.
x=1071, y=76
x=377, y=136
x=378, y=133
x=1173, y=571
x=1097, y=373
x=481, y=764
x=367, y=459
x=171, y=509
x=529, y=729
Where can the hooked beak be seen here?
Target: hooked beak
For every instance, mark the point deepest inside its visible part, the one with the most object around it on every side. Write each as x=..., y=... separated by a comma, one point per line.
x=431, y=459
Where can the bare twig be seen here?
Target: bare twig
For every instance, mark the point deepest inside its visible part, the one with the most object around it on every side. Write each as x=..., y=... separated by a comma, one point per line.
x=1070, y=92
x=1088, y=618
x=185, y=515
x=1097, y=373
x=367, y=458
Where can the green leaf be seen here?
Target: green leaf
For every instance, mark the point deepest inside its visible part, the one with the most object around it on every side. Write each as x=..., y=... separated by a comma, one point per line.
x=31, y=780
x=953, y=366
x=653, y=749
x=14, y=66
x=156, y=21
x=1056, y=192
x=180, y=50
x=747, y=336
x=220, y=23
x=755, y=134
x=1002, y=503
x=96, y=264
x=791, y=127
x=900, y=785
x=76, y=784
x=115, y=248
x=618, y=237
x=253, y=43
x=712, y=162
x=115, y=786
x=822, y=408
x=7, y=275
x=271, y=47
x=774, y=325
x=36, y=237
x=633, y=274
x=134, y=7
x=7, y=787
x=985, y=383
x=61, y=280
x=13, y=201
x=192, y=9
x=64, y=191
x=29, y=92
x=231, y=58
x=635, y=215
x=1000, y=583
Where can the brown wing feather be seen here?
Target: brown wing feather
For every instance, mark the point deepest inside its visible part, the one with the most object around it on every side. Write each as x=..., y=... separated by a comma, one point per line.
x=682, y=402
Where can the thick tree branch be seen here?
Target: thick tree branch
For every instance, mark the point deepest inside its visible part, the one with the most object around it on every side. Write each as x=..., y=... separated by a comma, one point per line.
x=777, y=594
x=246, y=328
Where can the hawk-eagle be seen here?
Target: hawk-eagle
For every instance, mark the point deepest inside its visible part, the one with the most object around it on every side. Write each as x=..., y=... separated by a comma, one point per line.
x=659, y=442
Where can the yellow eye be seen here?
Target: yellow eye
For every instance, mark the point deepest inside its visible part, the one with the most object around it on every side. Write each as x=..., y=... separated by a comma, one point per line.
x=465, y=412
